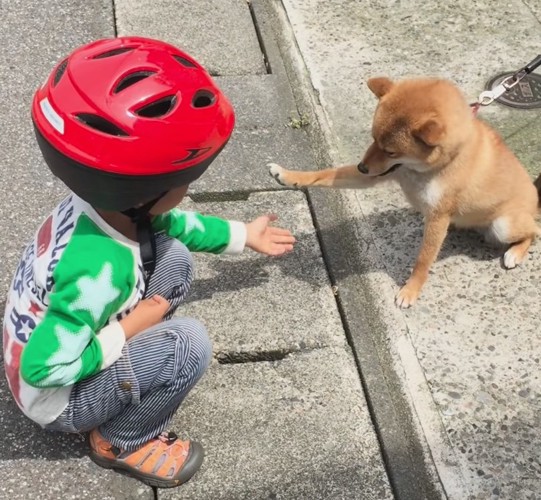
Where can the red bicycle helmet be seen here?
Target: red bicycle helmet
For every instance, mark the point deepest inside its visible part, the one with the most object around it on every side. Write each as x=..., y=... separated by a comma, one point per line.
x=122, y=121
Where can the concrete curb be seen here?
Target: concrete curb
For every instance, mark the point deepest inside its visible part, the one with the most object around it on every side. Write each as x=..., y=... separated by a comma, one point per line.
x=377, y=334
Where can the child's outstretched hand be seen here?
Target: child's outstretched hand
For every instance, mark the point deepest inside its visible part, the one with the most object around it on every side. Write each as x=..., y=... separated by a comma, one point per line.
x=147, y=313
x=267, y=239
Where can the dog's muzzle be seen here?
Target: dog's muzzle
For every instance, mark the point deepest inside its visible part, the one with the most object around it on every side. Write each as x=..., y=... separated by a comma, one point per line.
x=361, y=167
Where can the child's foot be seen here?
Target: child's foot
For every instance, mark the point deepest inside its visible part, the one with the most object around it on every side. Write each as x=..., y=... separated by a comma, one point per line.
x=164, y=462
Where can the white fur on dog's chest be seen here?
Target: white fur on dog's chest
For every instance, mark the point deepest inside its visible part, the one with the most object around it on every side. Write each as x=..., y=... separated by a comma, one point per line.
x=422, y=191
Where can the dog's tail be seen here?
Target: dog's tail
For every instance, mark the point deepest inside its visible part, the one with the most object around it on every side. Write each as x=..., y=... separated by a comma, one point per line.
x=537, y=184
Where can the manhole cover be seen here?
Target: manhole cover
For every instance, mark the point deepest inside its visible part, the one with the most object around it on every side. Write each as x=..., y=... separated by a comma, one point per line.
x=525, y=95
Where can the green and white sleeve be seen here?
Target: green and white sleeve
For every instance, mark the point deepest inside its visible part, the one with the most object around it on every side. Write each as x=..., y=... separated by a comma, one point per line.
x=71, y=342
x=203, y=233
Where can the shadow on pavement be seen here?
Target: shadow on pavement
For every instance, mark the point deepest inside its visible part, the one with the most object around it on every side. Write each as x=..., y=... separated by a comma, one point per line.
x=22, y=438
x=396, y=235
x=234, y=274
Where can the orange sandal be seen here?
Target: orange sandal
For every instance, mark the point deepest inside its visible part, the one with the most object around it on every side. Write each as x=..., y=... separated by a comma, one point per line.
x=163, y=462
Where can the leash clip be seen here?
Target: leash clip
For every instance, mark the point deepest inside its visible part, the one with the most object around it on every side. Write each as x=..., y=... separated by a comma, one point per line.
x=489, y=96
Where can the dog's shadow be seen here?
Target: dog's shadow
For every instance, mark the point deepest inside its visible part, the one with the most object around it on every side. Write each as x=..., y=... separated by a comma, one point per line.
x=395, y=237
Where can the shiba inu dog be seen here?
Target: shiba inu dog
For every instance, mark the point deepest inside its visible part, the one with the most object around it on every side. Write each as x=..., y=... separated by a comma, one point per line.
x=451, y=166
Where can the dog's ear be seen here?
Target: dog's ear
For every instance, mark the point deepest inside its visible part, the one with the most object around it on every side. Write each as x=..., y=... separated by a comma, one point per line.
x=379, y=86
x=430, y=132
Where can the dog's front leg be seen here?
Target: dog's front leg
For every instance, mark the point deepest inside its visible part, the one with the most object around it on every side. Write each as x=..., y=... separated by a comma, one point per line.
x=435, y=230
x=340, y=177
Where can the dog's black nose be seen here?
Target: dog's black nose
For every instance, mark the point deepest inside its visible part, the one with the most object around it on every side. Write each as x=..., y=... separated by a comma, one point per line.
x=361, y=167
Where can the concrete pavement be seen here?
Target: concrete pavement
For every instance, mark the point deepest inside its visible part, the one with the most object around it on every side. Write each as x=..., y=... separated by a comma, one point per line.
x=465, y=359
x=442, y=400
x=281, y=412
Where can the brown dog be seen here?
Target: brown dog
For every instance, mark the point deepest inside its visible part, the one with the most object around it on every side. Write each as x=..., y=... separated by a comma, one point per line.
x=452, y=167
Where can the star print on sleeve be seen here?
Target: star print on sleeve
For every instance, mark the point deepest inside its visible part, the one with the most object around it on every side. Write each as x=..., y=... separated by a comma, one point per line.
x=77, y=335
x=95, y=294
x=192, y=221
x=200, y=233
x=64, y=348
x=66, y=362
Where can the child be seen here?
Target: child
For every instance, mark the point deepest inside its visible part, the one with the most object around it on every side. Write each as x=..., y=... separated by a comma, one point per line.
x=90, y=341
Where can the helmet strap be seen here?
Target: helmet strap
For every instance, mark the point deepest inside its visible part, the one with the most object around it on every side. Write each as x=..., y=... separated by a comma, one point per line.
x=146, y=236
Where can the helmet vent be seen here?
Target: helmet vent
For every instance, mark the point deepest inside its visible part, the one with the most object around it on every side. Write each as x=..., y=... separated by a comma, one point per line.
x=114, y=52
x=101, y=124
x=60, y=72
x=158, y=108
x=203, y=99
x=185, y=62
x=132, y=79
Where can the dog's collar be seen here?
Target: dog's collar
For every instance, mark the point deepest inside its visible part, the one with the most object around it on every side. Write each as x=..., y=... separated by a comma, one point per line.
x=475, y=108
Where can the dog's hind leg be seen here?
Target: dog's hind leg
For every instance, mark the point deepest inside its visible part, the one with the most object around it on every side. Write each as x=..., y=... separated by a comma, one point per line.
x=516, y=253
x=518, y=230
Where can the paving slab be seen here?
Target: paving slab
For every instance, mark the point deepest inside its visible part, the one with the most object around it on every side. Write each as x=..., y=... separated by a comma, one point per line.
x=260, y=101
x=45, y=465
x=72, y=479
x=265, y=130
x=254, y=304
x=290, y=429
x=241, y=166
x=467, y=353
x=219, y=33
x=34, y=37
x=474, y=331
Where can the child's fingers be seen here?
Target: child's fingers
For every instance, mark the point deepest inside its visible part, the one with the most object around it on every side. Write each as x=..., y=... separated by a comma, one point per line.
x=276, y=250
x=279, y=230
x=276, y=238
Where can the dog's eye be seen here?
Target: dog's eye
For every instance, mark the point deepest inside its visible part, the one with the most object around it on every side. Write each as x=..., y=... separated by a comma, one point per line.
x=391, y=154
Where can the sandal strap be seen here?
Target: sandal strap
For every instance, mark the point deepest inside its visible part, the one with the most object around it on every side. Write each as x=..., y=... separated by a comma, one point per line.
x=168, y=437
x=164, y=456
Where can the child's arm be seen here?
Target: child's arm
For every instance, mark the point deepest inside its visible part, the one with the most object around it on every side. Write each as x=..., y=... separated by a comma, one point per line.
x=147, y=313
x=203, y=233
x=77, y=335
x=66, y=347
x=62, y=350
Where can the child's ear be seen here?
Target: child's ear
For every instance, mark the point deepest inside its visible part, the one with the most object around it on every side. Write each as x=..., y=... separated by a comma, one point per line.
x=380, y=86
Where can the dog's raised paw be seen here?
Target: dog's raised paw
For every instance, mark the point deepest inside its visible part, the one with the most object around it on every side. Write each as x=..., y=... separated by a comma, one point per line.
x=276, y=172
